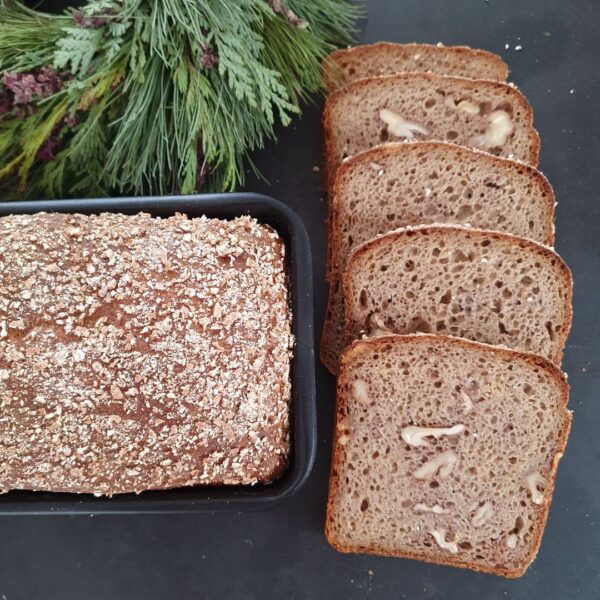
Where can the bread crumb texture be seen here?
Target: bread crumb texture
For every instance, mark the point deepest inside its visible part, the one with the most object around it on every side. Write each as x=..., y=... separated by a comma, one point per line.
x=140, y=353
x=446, y=451
x=481, y=285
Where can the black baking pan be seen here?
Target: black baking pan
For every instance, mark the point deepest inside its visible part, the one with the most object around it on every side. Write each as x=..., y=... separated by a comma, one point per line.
x=303, y=411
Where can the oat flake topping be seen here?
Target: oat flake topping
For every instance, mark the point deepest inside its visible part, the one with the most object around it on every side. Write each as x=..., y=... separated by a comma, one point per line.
x=141, y=353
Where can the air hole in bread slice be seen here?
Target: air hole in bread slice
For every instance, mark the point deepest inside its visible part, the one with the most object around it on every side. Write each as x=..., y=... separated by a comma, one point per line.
x=363, y=299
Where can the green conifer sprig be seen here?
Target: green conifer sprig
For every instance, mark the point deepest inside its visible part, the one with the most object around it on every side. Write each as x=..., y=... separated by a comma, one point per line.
x=153, y=96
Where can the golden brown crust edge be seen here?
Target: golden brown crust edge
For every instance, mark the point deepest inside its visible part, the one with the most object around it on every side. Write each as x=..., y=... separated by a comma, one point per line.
x=366, y=50
x=542, y=250
x=329, y=364
x=399, y=149
x=331, y=162
x=359, y=346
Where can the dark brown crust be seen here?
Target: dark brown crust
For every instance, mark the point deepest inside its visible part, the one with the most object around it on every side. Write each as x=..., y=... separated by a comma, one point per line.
x=331, y=163
x=542, y=251
x=358, y=53
x=355, y=350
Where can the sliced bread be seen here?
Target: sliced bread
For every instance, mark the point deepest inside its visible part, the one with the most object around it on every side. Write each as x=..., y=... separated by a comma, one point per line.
x=445, y=451
x=386, y=58
x=488, y=115
x=482, y=285
x=396, y=185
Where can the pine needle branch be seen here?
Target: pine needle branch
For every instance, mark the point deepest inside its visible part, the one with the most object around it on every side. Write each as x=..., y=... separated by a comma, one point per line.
x=154, y=96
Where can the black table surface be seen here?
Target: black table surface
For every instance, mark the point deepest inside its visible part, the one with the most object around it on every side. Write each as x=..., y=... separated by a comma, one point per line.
x=282, y=553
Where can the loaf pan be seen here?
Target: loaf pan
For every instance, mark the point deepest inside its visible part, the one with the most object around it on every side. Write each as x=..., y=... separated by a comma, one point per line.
x=303, y=409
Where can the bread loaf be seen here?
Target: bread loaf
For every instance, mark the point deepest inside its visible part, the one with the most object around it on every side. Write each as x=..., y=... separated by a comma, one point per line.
x=445, y=451
x=140, y=353
x=402, y=184
x=488, y=115
x=482, y=285
x=385, y=58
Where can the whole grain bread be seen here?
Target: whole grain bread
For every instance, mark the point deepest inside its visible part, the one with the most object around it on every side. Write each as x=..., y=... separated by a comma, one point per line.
x=488, y=115
x=398, y=185
x=482, y=285
x=445, y=451
x=346, y=65
x=140, y=353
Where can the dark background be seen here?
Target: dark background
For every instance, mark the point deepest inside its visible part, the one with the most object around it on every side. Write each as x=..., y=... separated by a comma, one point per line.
x=282, y=553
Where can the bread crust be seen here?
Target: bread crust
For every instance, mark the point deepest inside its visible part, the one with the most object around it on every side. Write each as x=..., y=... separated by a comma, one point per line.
x=353, y=351
x=118, y=372
x=357, y=53
x=331, y=162
x=541, y=250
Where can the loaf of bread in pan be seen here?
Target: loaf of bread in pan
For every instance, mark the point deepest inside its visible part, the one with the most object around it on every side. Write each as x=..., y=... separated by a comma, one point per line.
x=139, y=353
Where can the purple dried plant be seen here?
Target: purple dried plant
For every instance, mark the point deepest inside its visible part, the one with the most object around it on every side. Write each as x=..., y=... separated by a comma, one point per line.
x=22, y=86
x=46, y=152
x=208, y=57
x=49, y=80
x=92, y=22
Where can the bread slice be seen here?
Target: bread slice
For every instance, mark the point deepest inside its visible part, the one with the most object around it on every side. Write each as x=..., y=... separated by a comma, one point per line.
x=400, y=184
x=489, y=115
x=385, y=58
x=396, y=185
x=482, y=285
x=474, y=494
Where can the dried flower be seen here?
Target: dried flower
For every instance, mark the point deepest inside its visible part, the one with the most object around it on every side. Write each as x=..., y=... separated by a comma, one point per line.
x=287, y=13
x=209, y=57
x=23, y=87
x=92, y=22
x=49, y=80
x=46, y=152
x=71, y=121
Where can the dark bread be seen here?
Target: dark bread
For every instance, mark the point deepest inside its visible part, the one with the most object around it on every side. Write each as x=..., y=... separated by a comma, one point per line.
x=386, y=58
x=407, y=184
x=140, y=353
x=440, y=106
x=513, y=410
x=486, y=286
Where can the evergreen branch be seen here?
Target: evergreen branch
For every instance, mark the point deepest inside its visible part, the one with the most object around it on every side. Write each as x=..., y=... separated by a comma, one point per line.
x=154, y=96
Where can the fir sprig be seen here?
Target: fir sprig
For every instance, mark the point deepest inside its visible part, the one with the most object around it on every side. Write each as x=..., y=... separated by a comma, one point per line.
x=155, y=96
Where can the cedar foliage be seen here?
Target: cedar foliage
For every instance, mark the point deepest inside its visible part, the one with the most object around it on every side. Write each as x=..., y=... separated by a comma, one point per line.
x=153, y=96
